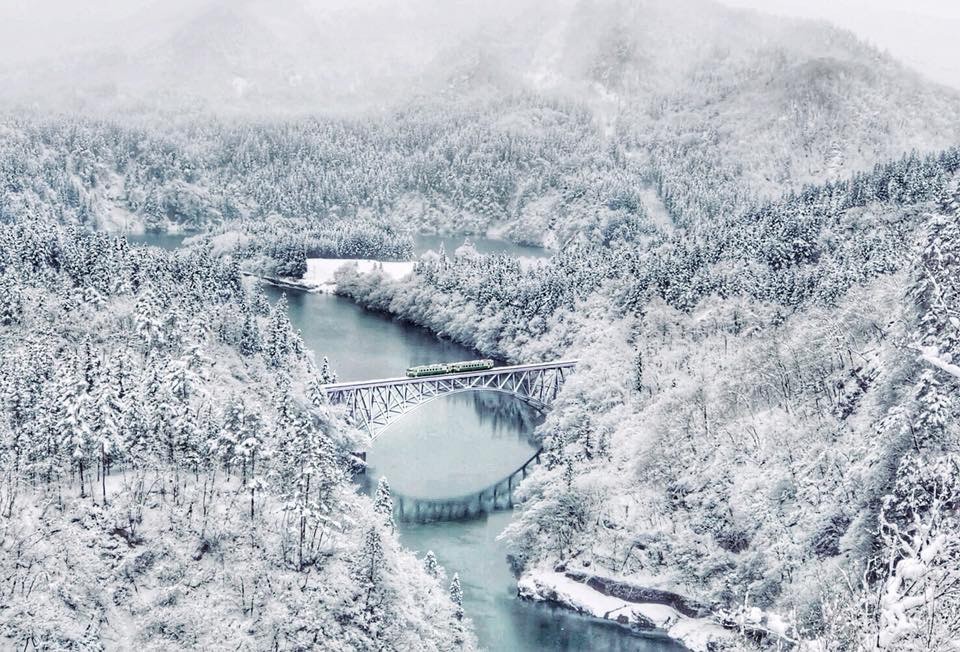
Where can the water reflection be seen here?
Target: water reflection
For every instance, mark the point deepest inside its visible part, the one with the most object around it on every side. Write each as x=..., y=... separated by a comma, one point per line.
x=502, y=412
x=455, y=445
x=169, y=241
x=424, y=243
x=363, y=345
x=502, y=622
x=477, y=430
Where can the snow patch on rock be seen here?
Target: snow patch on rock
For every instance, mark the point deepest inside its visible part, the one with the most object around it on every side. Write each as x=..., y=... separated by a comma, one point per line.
x=551, y=586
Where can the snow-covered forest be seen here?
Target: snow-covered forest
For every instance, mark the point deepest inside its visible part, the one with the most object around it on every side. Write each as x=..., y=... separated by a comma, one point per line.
x=763, y=419
x=172, y=475
x=754, y=235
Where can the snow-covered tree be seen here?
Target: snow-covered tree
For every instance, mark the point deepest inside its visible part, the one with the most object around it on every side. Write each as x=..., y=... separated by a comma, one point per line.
x=327, y=376
x=75, y=422
x=432, y=566
x=920, y=595
x=456, y=596
x=278, y=345
x=383, y=503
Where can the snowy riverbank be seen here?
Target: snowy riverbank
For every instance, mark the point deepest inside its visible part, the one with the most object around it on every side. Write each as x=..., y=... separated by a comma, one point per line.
x=576, y=591
x=321, y=272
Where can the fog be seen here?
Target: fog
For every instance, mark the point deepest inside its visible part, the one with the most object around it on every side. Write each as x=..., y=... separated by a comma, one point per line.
x=43, y=29
x=921, y=33
x=57, y=50
x=302, y=54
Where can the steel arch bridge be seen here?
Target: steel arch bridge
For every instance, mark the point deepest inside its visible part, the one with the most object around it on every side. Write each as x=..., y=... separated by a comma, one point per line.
x=376, y=404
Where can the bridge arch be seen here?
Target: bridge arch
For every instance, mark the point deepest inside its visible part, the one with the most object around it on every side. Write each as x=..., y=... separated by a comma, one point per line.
x=494, y=497
x=413, y=407
x=376, y=404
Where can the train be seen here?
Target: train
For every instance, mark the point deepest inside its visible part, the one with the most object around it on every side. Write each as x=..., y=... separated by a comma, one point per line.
x=441, y=368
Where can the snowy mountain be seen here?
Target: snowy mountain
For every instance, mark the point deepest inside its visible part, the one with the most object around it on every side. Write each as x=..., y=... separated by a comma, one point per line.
x=306, y=56
x=715, y=107
x=755, y=235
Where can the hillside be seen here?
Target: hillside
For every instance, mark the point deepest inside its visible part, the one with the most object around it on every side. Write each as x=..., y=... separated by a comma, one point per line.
x=539, y=125
x=764, y=417
x=172, y=476
x=755, y=229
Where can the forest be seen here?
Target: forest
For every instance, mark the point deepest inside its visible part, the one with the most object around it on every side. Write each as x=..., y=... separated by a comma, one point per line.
x=754, y=235
x=764, y=424
x=172, y=474
x=767, y=411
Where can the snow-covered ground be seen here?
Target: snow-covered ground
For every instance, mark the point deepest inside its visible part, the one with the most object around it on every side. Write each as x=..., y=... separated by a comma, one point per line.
x=321, y=271
x=542, y=585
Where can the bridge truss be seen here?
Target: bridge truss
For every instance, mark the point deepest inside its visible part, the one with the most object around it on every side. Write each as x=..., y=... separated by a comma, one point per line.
x=376, y=404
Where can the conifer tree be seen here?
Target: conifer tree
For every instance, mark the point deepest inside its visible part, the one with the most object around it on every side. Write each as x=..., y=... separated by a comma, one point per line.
x=148, y=318
x=368, y=571
x=327, y=376
x=231, y=432
x=936, y=295
x=456, y=596
x=249, y=334
x=383, y=503
x=107, y=429
x=278, y=345
x=431, y=565
x=11, y=301
x=315, y=392
x=949, y=201
x=75, y=421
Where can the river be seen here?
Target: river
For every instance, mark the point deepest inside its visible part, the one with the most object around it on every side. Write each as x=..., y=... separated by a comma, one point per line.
x=424, y=243
x=448, y=448
x=421, y=244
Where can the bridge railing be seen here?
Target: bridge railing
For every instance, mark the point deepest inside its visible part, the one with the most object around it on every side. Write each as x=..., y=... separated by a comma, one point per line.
x=404, y=380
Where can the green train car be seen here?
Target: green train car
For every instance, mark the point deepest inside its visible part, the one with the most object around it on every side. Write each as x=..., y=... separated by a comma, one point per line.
x=442, y=368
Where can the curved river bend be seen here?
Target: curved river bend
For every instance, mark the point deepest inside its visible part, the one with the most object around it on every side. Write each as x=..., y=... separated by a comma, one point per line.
x=450, y=447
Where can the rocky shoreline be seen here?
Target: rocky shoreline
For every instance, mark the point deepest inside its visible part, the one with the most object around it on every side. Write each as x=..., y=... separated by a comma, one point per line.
x=639, y=608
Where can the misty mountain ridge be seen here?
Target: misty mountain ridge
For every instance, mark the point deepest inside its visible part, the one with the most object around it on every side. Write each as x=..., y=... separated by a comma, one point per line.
x=295, y=57
x=715, y=108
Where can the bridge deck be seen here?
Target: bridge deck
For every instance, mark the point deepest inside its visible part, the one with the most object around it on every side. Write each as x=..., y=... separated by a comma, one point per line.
x=403, y=380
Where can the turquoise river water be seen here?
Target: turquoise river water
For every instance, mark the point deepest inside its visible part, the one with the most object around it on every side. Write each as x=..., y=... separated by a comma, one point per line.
x=448, y=448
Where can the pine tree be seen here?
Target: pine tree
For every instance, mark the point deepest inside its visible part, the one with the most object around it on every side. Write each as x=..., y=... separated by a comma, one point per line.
x=231, y=431
x=148, y=319
x=949, y=202
x=75, y=421
x=368, y=569
x=278, y=345
x=383, y=503
x=456, y=596
x=327, y=376
x=109, y=415
x=316, y=393
x=936, y=295
x=249, y=335
x=432, y=566
x=155, y=412
x=247, y=453
x=285, y=407
x=233, y=278
x=936, y=288
x=11, y=301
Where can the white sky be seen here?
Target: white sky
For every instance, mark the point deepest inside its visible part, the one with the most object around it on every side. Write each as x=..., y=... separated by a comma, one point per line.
x=924, y=34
